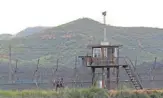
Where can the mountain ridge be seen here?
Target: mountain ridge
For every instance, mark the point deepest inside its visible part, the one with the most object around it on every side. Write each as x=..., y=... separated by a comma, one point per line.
x=30, y=30
x=81, y=19
x=70, y=39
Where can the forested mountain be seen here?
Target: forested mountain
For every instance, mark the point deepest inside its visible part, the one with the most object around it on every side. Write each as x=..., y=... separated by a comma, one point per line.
x=70, y=39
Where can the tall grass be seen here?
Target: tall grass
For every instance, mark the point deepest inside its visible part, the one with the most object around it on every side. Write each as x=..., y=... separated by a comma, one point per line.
x=66, y=93
x=136, y=94
x=82, y=93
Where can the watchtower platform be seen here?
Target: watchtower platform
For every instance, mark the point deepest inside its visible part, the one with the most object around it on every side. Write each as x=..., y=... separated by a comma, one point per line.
x=105, y=56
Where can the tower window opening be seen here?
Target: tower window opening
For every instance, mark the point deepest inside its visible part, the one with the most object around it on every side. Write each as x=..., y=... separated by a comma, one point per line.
x=96, y=52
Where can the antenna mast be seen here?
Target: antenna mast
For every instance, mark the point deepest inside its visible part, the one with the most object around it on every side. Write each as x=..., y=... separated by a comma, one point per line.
x=105, y=39
x=104, y=14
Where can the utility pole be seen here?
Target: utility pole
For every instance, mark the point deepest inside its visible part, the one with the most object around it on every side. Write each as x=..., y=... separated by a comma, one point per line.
x=10, y=66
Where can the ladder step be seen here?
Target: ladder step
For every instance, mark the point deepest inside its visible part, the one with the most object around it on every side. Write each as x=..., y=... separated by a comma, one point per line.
x=137, y=86
x=127, y=70
x=133, y=78
x=135, y=83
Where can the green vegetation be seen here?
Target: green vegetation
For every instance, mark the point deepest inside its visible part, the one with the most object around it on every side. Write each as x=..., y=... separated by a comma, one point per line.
x=145, y=43
x=136, y=94
x=67, y=93
x=82, y=93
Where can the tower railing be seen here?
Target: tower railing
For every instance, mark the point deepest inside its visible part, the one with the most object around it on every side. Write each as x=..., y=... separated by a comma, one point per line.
x=104, y=61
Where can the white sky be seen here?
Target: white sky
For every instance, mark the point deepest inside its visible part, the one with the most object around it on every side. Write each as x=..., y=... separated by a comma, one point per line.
x=16, y=15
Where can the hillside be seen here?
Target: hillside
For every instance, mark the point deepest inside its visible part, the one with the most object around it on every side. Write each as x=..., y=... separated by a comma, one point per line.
x=5, y=36
x=69, y=40
x=30, y=31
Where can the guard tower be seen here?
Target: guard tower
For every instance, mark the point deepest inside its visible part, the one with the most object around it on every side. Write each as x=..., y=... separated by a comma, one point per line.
x=106, y=56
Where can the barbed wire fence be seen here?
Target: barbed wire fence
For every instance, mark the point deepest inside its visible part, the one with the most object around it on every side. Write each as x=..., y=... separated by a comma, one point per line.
x=15, y=56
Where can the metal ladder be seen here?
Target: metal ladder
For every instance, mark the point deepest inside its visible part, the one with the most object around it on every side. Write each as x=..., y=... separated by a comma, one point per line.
x=132, y=75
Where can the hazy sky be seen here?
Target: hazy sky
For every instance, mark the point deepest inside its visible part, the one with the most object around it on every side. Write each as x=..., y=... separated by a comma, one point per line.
x=16, y=15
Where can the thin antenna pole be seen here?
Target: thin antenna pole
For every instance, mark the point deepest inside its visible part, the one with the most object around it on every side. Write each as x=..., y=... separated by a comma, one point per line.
x=104, y=19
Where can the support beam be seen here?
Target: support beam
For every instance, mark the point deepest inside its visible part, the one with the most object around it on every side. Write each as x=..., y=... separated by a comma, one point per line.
x=93, y=75
x=113, y=62
x=117, y=82
x=103, y=78
x=118, y=56
x=108, y=78
x=83, y=62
